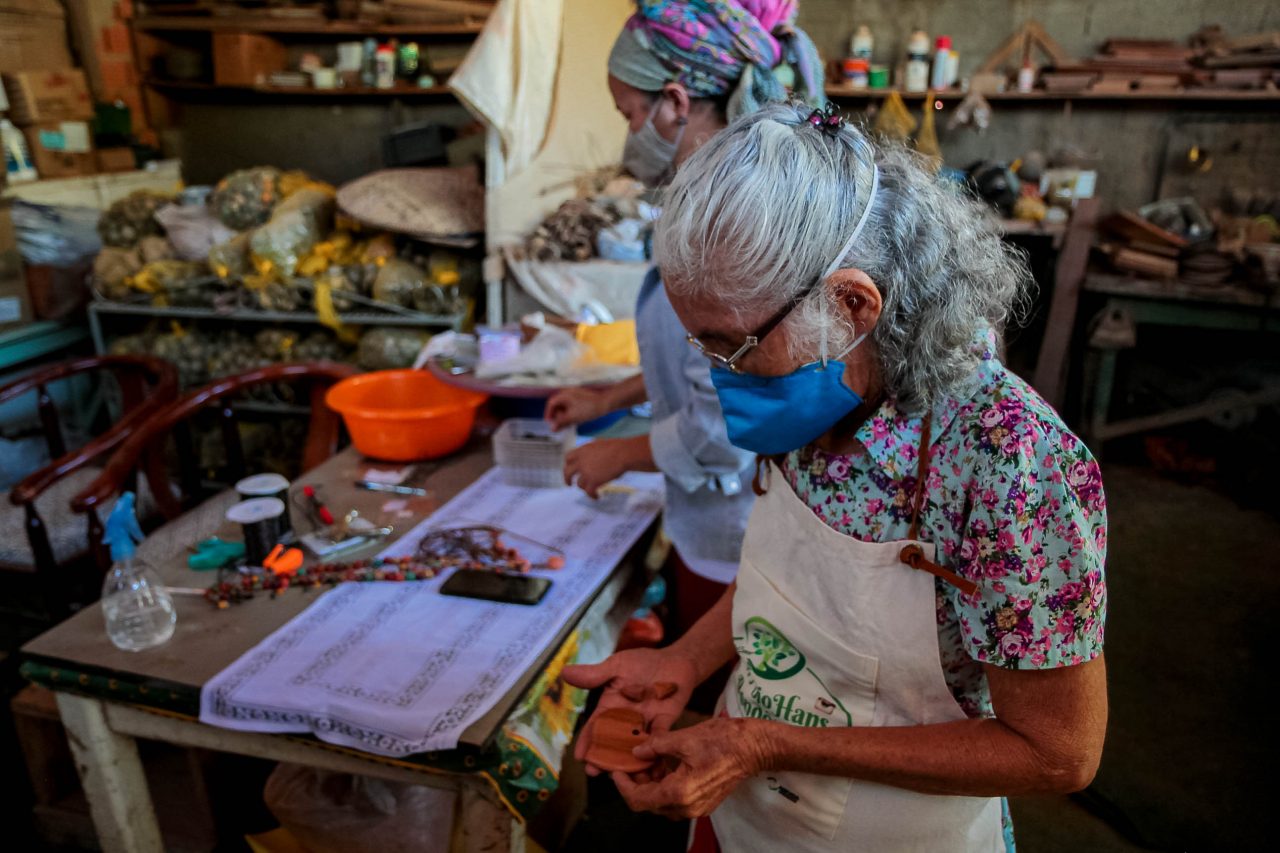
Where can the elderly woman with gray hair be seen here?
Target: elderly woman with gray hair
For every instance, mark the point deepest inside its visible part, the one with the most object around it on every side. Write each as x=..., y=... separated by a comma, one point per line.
x=917, y=621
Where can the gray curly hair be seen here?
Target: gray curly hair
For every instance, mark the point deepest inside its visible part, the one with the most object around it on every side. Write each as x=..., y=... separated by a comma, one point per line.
x=756, y=214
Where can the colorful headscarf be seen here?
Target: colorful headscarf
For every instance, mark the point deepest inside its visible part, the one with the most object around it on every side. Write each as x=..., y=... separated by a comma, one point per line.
x=714, y=47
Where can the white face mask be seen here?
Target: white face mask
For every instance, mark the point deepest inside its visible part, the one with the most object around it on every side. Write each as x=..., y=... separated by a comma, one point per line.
x=649, y=157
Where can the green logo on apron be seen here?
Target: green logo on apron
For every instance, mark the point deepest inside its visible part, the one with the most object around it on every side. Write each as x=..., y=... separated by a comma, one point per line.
x=771, y=655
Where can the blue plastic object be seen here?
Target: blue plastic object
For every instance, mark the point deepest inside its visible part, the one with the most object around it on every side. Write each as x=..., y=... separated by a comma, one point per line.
x=601, y=423
x=215, y=553
x=123, y=532
x=654, y=594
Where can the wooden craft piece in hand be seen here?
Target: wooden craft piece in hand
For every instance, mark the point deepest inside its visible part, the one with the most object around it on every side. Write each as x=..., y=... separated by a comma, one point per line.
x=614, y=733
x=665, y=689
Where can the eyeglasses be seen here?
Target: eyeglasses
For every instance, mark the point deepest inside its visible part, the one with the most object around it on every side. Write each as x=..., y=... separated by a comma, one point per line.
x=757, y=337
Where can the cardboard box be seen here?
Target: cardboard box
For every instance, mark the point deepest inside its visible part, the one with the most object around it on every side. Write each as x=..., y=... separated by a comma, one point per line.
x=99, y=37
x=245, y=59
x=41, y=96
x=15, y=302
x=116, y=160
x=33, y=36
x=61, y=149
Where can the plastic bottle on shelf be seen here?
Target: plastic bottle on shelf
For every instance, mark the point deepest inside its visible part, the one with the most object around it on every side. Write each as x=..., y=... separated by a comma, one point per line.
x=369, y=64
x=1026, y=77
x=385, y=67
x=137, y=608
x=941, y=63
x=862, y=43
x=17, y=158
x=916, y=78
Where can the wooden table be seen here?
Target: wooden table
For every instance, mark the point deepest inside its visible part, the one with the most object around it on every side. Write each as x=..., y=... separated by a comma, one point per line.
x=102, y=731
x=1226, y=306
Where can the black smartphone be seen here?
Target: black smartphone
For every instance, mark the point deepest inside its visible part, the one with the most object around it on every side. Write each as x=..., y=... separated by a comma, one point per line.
x=492, y=586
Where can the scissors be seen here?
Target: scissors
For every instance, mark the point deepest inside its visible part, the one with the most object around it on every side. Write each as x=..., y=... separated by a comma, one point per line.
x=283, y=561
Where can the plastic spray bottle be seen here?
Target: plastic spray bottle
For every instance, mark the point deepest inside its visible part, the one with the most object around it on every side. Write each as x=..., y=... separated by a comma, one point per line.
x=138, y=610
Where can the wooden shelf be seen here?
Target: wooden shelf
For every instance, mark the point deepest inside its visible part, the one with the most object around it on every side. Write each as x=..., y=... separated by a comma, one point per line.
x=303, y=91
x=1021, y=227
x=834, y=91
x=1233, y=95
x=286, y=26
x=1227, y=292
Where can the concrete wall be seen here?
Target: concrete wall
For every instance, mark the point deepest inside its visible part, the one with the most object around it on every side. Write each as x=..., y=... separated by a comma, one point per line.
x=1126, y=140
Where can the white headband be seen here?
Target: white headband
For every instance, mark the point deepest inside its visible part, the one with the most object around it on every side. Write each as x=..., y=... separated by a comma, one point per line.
x=844, y=250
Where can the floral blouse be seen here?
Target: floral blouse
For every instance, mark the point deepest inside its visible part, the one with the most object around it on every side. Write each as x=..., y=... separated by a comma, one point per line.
x=1013, y=502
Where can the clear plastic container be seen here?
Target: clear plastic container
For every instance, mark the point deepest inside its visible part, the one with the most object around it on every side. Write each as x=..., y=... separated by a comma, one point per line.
x=530, y=453
x=137, y=608
x=135, y=604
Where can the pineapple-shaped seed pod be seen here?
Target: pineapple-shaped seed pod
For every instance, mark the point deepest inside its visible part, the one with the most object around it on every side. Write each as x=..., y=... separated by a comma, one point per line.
x=131, y=218
x=245, y=199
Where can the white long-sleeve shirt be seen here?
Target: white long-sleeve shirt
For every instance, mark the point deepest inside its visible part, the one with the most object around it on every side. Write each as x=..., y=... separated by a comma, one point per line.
x=708, y=480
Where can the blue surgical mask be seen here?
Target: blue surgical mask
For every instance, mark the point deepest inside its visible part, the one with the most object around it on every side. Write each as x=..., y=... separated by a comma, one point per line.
x=770, y=415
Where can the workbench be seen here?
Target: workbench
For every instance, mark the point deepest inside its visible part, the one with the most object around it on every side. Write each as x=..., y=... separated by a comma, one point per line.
x=1228, y=306
x=110, y=698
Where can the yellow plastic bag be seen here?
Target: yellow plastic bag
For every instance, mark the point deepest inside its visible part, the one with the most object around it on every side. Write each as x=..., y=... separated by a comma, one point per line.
x=927, y=138
x=894, y=122
x=328, y=315
x=611, y=343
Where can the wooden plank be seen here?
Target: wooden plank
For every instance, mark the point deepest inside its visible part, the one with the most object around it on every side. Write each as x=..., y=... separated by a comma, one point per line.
x=111, y=773
x=1122, y=285
x=1147, y=264
x=1131, y=226
x=133, y=722
x=285, y=26
x=1185, y=414
x=1051, y=364
x=1201, y=93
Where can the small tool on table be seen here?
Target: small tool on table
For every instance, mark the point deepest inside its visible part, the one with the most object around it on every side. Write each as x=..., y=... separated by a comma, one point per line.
x=282, y=561
x=214, y=553
x=393, y=488
x=321, y=511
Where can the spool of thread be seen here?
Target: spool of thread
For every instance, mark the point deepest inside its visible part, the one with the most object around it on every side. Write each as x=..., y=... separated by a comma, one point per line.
x=260, y=520
x=268, y=486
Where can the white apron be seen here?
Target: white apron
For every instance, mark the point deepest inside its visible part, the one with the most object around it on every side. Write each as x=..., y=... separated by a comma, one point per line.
x=832, y=631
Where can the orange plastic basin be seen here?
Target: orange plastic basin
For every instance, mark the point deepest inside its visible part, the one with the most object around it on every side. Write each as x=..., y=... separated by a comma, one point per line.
x=404, y=415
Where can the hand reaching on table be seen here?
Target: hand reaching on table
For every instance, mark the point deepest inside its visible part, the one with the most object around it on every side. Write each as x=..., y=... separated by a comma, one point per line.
x=572, y=406
x=640, y=679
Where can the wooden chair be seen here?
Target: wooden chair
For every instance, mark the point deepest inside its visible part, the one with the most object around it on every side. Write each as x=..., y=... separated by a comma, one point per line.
x=40, y=503
x=143, y=451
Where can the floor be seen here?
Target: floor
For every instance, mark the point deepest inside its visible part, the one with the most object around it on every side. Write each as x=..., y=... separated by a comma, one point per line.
x=1188, y=763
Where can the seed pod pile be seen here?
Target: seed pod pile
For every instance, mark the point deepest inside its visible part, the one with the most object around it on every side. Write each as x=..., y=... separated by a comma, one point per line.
x=131, y=218
x=569, y=234
x=245, y=199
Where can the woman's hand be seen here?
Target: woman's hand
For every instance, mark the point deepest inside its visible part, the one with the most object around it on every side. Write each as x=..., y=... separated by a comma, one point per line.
x=572, y=406
x=710, y=760
x=655, y=682
x=604, y=460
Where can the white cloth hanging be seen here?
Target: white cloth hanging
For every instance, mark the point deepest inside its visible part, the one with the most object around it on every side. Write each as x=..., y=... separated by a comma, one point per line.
x=508, y=78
